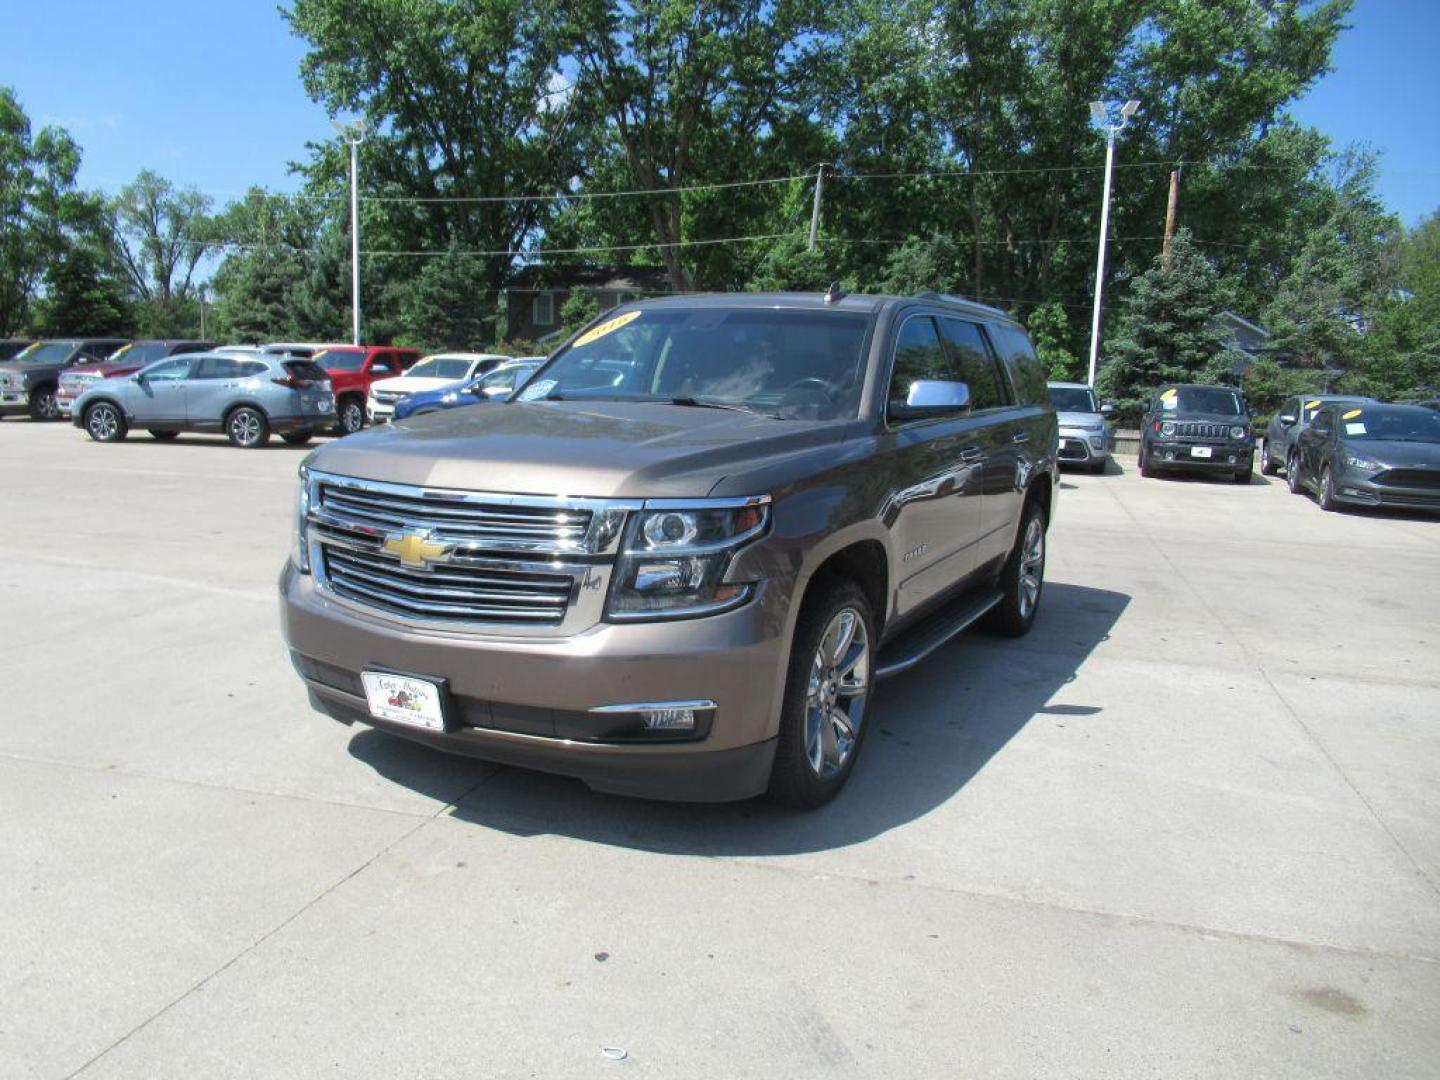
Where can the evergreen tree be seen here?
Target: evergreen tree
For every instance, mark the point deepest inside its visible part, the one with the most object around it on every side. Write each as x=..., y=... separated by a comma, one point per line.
x=1169, y=332
x=1049, y=330
x=444, y=307
x=83, y=295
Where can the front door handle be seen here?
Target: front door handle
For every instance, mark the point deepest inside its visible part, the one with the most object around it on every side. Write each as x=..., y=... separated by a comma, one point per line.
x=1020, y=437
x=971, y=453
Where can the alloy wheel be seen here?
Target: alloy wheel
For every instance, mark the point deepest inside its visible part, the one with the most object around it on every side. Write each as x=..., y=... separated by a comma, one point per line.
x=245, y=427
x=1032, y=566
x=45, y=405
x=352, y=418
x=102, y=423
x=835, y=697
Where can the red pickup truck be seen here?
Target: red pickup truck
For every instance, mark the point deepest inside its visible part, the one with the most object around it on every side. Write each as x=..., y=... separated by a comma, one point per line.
x=352, y=368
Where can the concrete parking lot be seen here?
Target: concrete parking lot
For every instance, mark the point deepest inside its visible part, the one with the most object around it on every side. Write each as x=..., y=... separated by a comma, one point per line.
x=1189, y=827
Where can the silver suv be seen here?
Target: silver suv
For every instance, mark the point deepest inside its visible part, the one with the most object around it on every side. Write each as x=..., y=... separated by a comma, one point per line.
x=244, y=396
x=1084, y=425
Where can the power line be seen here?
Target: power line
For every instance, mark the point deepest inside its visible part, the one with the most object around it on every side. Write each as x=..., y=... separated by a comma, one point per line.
x=577, y=196
x=515, y=252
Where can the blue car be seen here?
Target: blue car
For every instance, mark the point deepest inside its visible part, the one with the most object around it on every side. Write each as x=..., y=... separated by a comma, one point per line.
x=496, y=385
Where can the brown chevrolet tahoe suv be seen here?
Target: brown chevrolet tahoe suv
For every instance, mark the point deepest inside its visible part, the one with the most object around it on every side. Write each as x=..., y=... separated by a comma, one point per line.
x=677, y=562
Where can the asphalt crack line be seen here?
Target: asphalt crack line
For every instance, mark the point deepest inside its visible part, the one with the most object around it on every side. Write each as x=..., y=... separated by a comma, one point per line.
x=206, y=785
x=1101, y=913
x=277, y=928
x=1290, y=711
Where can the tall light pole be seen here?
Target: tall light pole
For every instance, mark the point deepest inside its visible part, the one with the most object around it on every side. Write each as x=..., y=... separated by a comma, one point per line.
x=354, y=134
x=1100, y=111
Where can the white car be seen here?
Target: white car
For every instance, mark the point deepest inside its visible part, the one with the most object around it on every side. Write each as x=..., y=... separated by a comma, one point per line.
x=430, y=373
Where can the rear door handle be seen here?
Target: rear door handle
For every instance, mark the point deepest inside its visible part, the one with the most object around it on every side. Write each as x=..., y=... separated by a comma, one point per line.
x=1020, y=437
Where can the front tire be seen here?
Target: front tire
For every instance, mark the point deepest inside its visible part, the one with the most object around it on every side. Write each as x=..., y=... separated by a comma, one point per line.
x=1022, y=579
x=43, y=405
x=351, y=417
x=1146, y=469
x=104, y=422
x=827, y=689
x=1327, y=498
x=1268, y=465
x=247, y=428
x=1292, y=473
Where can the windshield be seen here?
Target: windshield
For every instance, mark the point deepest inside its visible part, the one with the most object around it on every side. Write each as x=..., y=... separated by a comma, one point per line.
x=507, y=377
x=47, y=352
x=341, y=359
x=1073, y=399
x=1202, y=399
x=140, y=354
x=799, y=364
x=1393, y=423
x=441, y=367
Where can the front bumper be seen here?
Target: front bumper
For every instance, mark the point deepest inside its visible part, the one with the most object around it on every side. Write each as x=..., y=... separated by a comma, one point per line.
x=1356, y=488
x=1223, y=457
x=1083, y=447
x=530, y=701
x=14, y=402
x=377, y=412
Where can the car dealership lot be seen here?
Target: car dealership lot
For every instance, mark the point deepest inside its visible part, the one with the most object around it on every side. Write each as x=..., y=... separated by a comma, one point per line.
x=1190, y=826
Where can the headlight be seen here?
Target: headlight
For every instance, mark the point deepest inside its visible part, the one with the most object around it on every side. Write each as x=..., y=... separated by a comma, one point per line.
x=1365, y=464
x=1238, y=432
x=300, y=551
x=677, y=554
x=1167, y=430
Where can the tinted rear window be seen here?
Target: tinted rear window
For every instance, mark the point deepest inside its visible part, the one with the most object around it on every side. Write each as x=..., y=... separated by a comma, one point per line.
x=306, y=369
x=1026, y=371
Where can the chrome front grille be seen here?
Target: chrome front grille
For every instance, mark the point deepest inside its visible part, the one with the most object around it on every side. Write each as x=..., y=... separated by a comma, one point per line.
x=458, y=516
x=388, y=397
x=447, y=559
x=455, y=591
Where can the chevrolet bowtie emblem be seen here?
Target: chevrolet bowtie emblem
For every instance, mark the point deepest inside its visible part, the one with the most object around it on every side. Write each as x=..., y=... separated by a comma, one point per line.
x=413, y=549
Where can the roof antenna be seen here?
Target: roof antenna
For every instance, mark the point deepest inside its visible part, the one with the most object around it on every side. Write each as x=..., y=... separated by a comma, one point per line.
x=835, y=293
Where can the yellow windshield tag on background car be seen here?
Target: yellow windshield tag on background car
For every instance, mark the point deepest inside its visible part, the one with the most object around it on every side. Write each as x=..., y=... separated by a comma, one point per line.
x=118, y=353
x=608, y=327
x=1312, y=404
x=1352, y=414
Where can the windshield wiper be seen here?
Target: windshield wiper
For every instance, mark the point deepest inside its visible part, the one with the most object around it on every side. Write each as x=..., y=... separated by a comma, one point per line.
x=701, y=403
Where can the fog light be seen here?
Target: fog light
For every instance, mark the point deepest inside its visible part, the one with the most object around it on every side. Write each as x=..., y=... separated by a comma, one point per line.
x=1169, y=455
x=660, y=716
x=1232, y=459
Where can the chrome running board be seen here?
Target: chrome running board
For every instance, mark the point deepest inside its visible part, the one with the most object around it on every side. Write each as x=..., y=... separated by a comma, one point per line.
x=918, y=642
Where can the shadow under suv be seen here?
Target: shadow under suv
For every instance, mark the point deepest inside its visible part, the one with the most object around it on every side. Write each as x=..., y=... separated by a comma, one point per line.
x=676, y=563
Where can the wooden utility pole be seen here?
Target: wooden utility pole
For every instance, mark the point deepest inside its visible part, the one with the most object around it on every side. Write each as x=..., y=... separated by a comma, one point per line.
x=1170, y=218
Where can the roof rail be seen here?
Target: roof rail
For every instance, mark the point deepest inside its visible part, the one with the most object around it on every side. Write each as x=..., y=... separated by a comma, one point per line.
x=951, y=298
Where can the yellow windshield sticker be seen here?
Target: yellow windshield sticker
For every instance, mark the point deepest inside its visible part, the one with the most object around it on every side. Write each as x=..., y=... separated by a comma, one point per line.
x=1166, y=395
x=609, y=326
x=1312, y=404
x=118, y=353
x=1352, y=414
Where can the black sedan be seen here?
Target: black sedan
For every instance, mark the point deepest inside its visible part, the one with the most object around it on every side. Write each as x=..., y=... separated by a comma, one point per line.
x=1370, y=455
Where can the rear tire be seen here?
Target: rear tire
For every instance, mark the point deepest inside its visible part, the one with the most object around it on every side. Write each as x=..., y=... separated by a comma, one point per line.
x=1098, y=467
x=827, y=690
x=247, y=428
x=1022, y=579
x=1292, y=474
x=1268, y=465
x=105, y=422
x=297, y=438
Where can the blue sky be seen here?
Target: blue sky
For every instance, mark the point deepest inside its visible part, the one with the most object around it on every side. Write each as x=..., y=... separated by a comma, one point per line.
x=209, y=94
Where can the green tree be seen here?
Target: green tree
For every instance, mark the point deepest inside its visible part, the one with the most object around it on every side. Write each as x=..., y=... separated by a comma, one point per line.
x=266, y=238
x=1049, y=329
x=320, y=299
x=579, y=308
x=160, y=234
x=84, y=293
x=1169, y=331
x=42, y=213
x=1402, y=355
x=445, y=307
x=929, y=264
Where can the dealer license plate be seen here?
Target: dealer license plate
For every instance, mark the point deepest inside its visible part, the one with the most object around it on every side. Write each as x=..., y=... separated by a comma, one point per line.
x=1200, y=451
x=403, y=700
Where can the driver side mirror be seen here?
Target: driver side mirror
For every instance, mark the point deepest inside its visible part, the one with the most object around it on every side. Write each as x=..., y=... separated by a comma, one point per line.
x=933, y=397
x=138, y=377
x=1106, y=409
x=1287, y=418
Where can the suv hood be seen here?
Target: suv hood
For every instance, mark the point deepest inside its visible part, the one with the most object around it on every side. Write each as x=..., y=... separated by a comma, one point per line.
x=1079, y=419
x=105, y=370
x=579, y=448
